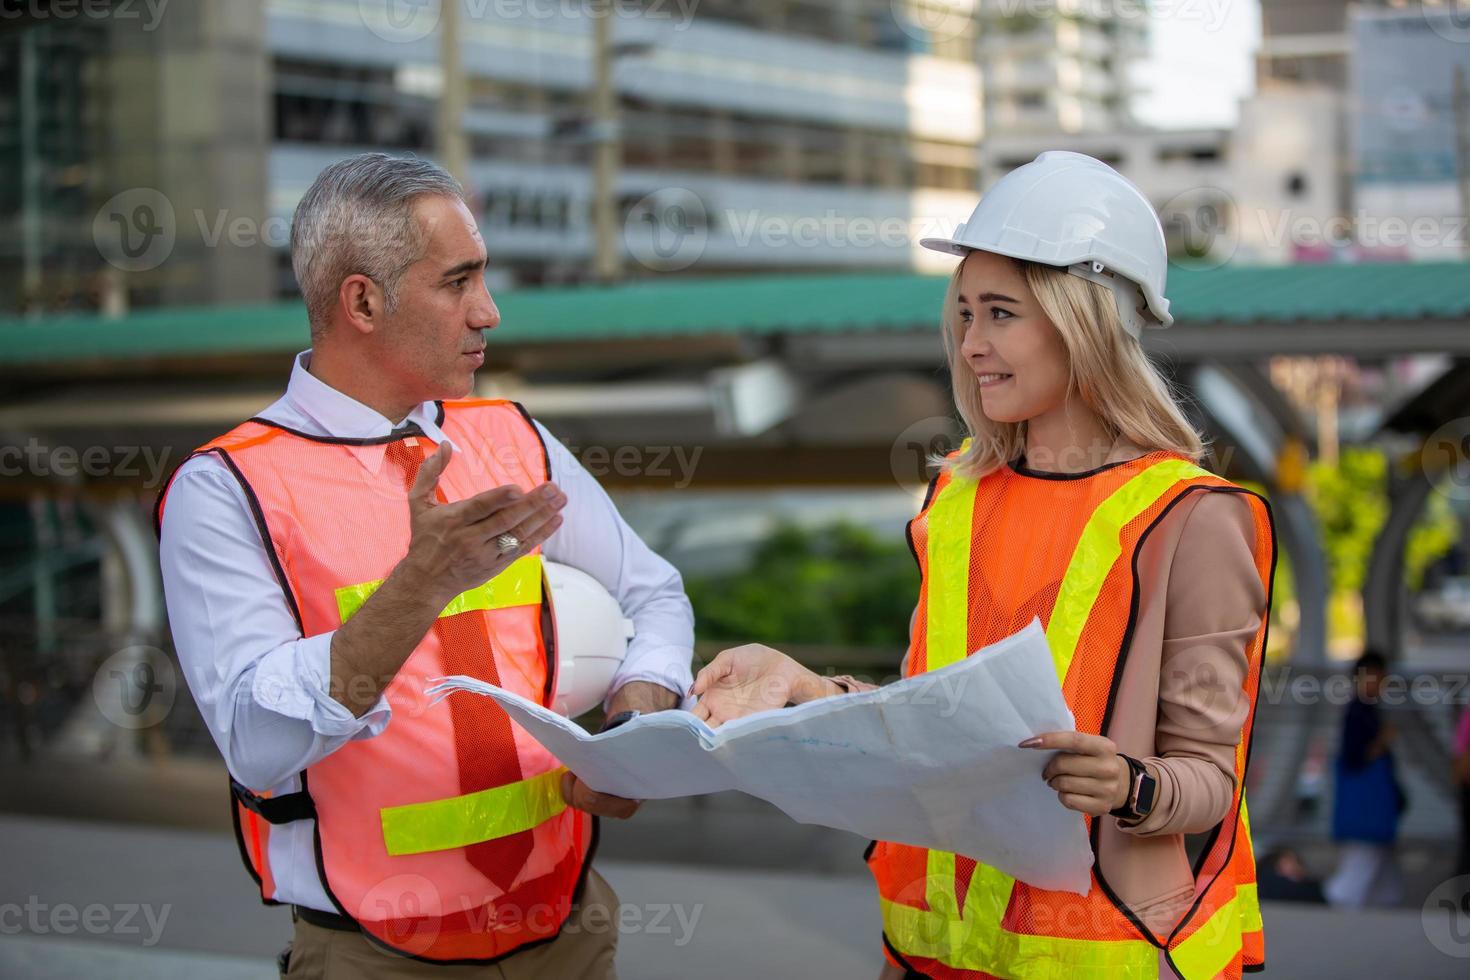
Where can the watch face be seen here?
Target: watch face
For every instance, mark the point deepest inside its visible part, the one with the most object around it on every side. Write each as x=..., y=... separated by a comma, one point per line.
x=1146, y=788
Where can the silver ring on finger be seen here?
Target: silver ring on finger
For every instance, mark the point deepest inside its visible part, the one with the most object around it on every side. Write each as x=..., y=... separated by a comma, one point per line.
x=508, y=543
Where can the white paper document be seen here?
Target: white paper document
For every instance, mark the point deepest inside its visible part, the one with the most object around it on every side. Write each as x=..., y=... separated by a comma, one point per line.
x=931, y=760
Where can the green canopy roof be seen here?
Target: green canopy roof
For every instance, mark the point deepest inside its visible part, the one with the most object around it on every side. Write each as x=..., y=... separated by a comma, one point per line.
x=690, y=307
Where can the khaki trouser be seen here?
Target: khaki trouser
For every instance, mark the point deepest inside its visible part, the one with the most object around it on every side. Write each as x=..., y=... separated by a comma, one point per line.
x=585, y=949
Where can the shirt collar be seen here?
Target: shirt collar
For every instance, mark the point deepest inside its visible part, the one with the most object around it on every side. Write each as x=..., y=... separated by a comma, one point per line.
x=341, y=416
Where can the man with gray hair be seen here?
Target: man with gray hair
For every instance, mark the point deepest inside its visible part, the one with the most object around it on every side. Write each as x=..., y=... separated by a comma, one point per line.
x=375, y=528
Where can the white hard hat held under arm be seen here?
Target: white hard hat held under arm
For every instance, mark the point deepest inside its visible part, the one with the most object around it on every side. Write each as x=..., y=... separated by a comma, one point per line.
x=592, y=637
x=1074, y=212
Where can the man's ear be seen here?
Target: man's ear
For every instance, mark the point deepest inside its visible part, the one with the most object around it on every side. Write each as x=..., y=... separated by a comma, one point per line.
x=362, y=302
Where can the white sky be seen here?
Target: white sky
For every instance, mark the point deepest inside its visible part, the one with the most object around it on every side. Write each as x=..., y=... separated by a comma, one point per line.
x=1200, y=64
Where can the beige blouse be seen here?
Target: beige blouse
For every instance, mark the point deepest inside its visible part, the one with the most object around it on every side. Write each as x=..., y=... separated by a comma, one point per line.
x=1179, y=707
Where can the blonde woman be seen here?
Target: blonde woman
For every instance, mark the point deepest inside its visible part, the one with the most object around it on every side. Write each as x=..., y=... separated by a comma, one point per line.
x=1078, y=498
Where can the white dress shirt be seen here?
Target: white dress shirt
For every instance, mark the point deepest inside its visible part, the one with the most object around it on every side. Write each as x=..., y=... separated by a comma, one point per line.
x=263, y=688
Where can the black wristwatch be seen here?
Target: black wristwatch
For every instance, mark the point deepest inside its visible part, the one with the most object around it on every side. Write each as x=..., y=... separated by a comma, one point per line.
x=1142, y=792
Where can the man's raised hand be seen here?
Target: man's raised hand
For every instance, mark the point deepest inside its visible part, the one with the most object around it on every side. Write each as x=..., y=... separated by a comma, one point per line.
x=454, y=545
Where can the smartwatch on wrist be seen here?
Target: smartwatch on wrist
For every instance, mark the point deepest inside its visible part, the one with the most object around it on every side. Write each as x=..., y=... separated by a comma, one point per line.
x=1142, y=792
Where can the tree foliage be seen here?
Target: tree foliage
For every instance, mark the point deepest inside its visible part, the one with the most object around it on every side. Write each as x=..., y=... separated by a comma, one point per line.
x=839, y=584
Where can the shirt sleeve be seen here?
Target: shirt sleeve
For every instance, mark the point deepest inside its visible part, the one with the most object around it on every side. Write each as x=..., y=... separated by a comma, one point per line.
x=594, y=538
x=1213, y=609
x=263, y=689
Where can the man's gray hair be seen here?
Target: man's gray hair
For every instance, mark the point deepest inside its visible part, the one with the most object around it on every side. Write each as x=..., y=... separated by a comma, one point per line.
x=357, y=218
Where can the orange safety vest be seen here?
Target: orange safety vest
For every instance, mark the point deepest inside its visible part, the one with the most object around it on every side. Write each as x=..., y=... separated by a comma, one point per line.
x=993, y=553
x=392, y=819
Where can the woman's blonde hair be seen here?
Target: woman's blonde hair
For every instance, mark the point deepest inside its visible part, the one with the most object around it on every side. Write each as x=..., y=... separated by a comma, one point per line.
x=1108, y=371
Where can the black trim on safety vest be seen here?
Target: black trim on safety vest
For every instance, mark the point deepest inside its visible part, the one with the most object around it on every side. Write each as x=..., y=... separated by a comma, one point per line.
x=402, y=432
x=908, y=529
x=548, y=619
x=1019, y=467
x=868, y=851
x=163, y=492
x=1253, y=967
x=545, y=456
x=256, y=512
x=321, y=867
x=411, y=429
x=909, y=973
x=265, y=536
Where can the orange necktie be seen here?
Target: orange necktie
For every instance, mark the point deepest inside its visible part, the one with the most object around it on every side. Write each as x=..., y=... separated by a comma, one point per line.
x=483, y=741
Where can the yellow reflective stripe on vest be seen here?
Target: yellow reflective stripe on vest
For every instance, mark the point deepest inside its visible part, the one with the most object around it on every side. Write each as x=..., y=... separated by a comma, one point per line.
x=977, y=941
x=947, y=618
x=1211, y=947
x=1248, y=900
x=518, y=585
x=973, y=944
x=1097, y=551
x=460, y=821
x=946, y=613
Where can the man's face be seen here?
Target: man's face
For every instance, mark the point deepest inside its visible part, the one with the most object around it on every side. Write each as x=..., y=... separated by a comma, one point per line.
x=432, y=342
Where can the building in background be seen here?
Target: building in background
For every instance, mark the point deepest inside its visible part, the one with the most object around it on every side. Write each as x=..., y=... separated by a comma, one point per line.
x=776, y=135
x=1059, y=66
x=1374, y=81
x=138, y=134
x=1411, y=132
x=1291, y=174
x=1311, y=41
x=783, y=134
x=1305, y=42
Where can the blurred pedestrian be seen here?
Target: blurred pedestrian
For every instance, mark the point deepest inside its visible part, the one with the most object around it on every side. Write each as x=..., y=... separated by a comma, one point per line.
x=1368, y=798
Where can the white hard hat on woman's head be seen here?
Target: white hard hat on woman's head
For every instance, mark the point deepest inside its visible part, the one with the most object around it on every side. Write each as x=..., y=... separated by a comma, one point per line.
x=1075, y=212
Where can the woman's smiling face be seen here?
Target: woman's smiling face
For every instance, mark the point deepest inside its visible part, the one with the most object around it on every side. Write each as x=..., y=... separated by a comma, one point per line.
x=1010, y=345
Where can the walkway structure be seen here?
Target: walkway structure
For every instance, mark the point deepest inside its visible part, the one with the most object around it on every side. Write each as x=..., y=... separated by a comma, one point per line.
x=775, y=381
